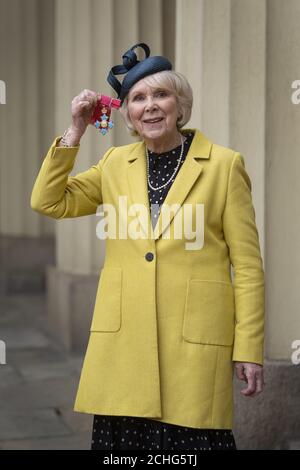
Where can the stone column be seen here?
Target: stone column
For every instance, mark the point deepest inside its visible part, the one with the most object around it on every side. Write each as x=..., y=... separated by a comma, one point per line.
x=83, y=56
x=26, y=117
x=218, y=46
x=25, y=113
x=283, y=176
x=90, y=37
x=135, y=21
x=189, y=51
x=248, y=96
x=241, y=58
x=203, y=55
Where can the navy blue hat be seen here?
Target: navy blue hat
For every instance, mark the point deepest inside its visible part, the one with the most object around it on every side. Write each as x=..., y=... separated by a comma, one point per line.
x=135, y=70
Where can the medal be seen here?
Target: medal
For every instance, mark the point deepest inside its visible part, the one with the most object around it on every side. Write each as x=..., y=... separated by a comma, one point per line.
x=101, y=117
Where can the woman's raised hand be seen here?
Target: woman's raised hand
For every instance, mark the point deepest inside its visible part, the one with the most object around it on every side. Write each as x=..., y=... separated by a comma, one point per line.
x=83, y=107
x=82, y=110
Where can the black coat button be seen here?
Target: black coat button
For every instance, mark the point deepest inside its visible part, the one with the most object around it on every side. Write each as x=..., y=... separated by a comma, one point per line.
x=149, y=256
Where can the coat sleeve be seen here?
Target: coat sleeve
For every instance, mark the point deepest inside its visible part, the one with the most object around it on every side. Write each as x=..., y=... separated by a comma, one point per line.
x=241, y=236
x=58, y=195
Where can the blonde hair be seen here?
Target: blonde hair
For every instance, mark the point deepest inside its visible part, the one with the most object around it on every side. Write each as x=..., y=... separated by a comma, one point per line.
x=176, y=83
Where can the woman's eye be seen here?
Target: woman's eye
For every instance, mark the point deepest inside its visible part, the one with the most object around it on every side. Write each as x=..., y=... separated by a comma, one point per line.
x=159, y=94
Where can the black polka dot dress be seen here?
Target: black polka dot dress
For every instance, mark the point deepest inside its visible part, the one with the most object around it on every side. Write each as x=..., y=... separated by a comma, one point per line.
x=162, y=172
x=138, y=433
x=135, y=433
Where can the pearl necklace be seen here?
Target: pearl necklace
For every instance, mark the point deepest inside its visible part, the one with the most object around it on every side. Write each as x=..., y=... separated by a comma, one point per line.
x=176, y=168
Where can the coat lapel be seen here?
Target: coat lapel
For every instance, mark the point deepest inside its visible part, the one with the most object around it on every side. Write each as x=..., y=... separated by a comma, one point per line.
x=138, y=187
x=186, y=178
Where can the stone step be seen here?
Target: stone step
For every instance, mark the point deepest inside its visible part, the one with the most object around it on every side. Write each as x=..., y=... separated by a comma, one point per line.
x=21, y=281
x=294, y=445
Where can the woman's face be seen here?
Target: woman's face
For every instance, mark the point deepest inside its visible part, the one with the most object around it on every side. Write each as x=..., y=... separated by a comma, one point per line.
x=153, y=111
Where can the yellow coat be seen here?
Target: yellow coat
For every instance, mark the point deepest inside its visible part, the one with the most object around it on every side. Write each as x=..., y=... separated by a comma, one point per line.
x=165, y=332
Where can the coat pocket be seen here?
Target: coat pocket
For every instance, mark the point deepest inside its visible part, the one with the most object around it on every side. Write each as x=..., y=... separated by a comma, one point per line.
x=107, y=310
x=209, y=316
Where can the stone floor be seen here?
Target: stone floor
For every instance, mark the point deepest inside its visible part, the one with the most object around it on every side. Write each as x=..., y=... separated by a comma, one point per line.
x=38, y=383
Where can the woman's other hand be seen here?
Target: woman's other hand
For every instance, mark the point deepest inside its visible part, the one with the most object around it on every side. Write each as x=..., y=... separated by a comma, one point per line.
x=253, y=375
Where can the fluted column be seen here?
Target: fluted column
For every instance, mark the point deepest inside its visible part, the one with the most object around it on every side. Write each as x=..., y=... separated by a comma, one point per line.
x=248, y=96
x=83, y=32
x=283, y=175
x=26, y=118
x=91, y=37
x=19, y=143
x=135, y=21
x=84, y=56
x=189, y=51
x=26, y=121
x=4, y=75
x=220, y=47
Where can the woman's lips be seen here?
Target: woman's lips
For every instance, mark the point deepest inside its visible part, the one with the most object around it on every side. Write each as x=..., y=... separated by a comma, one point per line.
x=153, y=121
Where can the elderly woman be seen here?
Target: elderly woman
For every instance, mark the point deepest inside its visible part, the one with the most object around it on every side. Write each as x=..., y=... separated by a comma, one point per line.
x=169, y=324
